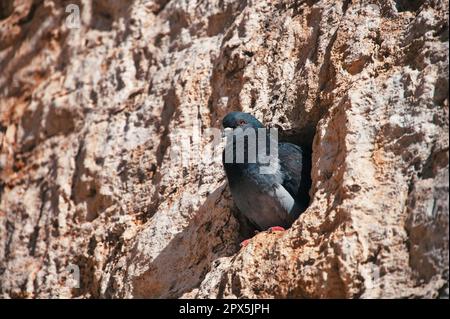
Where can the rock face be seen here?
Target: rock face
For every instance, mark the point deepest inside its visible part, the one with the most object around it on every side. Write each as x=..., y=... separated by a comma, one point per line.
x=93, y=110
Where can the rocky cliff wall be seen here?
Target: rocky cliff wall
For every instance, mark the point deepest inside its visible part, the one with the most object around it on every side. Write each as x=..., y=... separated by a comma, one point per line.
x=92, y=111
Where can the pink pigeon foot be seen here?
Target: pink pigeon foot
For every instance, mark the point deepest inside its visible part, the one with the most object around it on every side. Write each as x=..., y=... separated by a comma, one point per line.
x=276, y=228
x=245, y=243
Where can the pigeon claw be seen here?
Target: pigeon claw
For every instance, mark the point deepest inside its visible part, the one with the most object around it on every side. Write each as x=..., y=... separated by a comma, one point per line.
x=276, y=228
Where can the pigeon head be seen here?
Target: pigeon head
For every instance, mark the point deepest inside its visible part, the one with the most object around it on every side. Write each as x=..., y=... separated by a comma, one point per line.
x=239, y=119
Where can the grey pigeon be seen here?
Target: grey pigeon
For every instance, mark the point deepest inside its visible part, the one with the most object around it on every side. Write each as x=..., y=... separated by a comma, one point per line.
x=272, y=200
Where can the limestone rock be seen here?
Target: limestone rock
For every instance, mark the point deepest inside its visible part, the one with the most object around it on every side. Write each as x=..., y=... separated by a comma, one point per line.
x=95, y=111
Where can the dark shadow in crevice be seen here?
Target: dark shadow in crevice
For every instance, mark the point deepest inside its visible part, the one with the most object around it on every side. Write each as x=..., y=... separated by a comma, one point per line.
x=408, y=5
x=6, y=8
x=105, y=13
x=102, y=16
x=246, y=228
x=29, y=17
x=89, y=283
x=303, y=137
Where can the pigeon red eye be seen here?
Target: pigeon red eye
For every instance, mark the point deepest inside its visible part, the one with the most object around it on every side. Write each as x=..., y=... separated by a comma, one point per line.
x=242, y=122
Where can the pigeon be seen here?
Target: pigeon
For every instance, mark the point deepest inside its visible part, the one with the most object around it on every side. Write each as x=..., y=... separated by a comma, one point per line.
x=270, y=201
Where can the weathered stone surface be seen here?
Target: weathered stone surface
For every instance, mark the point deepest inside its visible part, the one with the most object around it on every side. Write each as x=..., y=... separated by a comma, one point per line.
x=91, y=117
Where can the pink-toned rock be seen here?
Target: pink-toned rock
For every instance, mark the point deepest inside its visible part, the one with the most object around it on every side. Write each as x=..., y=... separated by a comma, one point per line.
x=93, y=118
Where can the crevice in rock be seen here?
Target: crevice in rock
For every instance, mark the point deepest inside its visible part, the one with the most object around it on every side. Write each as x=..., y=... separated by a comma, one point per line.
x=10, y=228
x=6, y=8
x=160, y=6
x=89, y=284
x=102, y=19
x=120, y=84
x=34, y=236
x=31, y=13
x=283, y=62
x=77, y=171
x=443, y=291
x=178, y=20
x=408, y=5
x=435, y=161
x=171, y=104
x=303, y=137
x=246, y=229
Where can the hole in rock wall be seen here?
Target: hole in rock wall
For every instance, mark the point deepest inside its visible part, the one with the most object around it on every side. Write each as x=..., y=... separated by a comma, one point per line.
x=302, y=137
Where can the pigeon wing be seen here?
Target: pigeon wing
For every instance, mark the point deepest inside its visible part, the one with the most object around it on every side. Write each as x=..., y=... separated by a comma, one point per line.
x=295, y=166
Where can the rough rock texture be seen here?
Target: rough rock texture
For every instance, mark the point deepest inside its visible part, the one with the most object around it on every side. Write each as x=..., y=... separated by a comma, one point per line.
x=91, y=117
